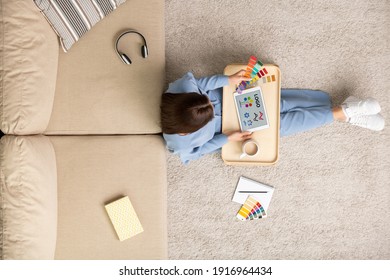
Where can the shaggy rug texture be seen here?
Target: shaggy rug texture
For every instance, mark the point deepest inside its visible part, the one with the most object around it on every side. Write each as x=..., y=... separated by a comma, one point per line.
x=332, y=190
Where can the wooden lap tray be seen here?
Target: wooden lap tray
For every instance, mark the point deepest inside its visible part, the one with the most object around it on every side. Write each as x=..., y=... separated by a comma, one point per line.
x=268, y=139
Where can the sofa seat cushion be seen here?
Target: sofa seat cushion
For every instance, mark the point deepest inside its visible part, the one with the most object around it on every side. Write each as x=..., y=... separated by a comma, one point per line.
x=96, y=92
x=28, y=68
x=96, y=170
x=28, y=198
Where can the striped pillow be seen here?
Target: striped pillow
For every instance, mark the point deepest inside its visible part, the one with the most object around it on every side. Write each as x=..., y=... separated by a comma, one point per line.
x=71, y=19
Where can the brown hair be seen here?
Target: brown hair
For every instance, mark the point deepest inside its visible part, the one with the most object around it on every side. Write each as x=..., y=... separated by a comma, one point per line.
x=185, y=112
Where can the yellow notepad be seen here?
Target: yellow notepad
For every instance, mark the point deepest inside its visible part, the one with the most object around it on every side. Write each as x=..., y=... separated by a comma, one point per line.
x=124, y=218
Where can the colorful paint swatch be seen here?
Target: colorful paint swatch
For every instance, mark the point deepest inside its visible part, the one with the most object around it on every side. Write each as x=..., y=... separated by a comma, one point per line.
x=251, y=210
x=251, y=64
x=255, y=71
x=258, y=75
x=268, y=79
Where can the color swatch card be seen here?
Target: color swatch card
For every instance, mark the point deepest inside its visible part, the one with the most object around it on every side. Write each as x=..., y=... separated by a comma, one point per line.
x=257, y=72
x=247, y=187
x=124, y=218
x=251, y=210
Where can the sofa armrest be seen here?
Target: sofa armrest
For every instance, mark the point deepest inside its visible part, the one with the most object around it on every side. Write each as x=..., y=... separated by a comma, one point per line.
x=28, y=198
x=29, y=52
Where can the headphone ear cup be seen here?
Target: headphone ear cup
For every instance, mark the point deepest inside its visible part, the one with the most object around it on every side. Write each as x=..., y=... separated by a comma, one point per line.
x=144, y=51
x=125, y=58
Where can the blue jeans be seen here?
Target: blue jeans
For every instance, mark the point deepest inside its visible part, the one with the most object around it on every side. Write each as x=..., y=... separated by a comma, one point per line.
x=302, y=110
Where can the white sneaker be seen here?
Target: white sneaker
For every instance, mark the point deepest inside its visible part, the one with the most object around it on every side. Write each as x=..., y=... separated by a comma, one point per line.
x=374, y=122
x=353, y=106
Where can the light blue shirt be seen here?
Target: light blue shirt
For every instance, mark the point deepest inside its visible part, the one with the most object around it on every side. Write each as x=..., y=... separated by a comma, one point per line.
x=209, y=138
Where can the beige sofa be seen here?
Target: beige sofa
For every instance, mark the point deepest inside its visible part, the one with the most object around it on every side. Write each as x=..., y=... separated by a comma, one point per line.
x=81, y=130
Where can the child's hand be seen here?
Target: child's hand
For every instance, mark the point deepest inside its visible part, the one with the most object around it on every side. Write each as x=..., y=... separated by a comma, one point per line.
x=239, y=136
x=236, y=78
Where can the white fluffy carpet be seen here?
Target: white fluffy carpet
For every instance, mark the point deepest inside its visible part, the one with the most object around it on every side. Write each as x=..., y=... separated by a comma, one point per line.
x=332, y=190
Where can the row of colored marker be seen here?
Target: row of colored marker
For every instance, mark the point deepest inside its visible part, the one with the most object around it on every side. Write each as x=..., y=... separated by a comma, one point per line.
x=251, y=210
x=254, y=71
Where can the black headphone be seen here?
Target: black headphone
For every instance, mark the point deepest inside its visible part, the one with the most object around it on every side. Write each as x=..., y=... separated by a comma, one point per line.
x=125, y=59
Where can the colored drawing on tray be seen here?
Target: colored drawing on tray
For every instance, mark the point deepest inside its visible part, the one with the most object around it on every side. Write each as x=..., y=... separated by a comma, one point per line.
x=247, y=102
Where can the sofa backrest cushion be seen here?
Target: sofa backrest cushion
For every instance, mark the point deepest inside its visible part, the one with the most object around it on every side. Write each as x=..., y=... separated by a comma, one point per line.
x=28, y=68
x=72, y=19
x=28, y=198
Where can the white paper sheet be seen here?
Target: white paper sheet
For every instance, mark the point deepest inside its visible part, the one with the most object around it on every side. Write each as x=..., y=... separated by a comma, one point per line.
x=246, y=187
